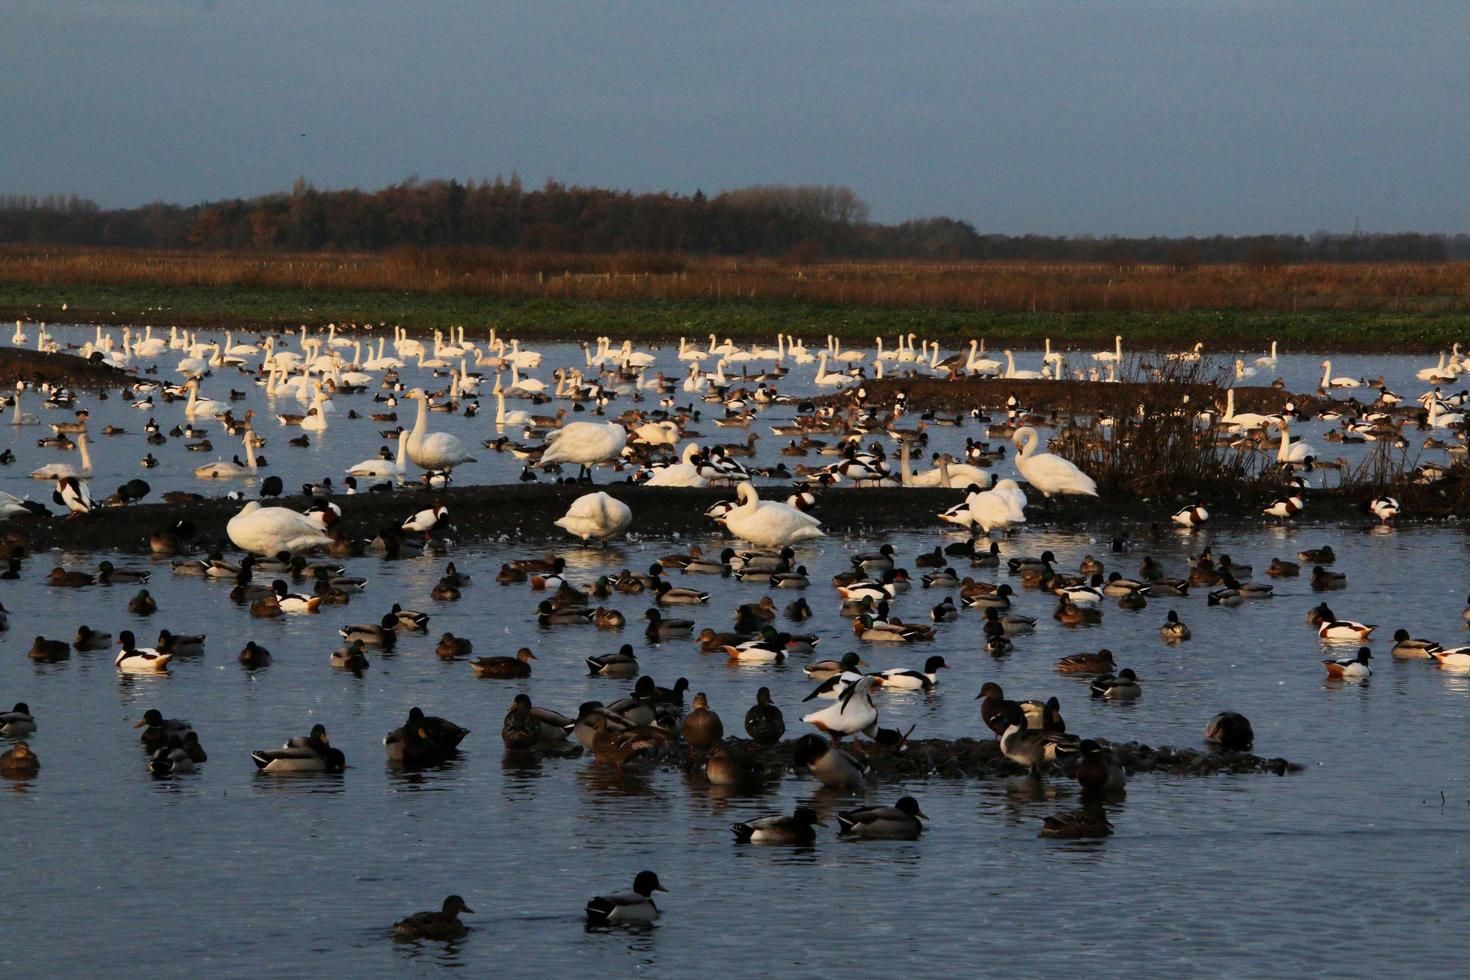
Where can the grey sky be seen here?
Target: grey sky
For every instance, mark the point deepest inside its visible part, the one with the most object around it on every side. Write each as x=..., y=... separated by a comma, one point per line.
x=1105, y=116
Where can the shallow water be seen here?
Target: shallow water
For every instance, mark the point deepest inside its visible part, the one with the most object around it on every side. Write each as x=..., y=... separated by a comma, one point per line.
x=1349, y=867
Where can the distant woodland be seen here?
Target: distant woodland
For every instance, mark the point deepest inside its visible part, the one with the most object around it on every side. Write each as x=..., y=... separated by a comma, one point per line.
x=801, y=224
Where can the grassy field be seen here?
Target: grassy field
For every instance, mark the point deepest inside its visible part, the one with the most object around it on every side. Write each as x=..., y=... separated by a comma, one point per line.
x=1364, y=308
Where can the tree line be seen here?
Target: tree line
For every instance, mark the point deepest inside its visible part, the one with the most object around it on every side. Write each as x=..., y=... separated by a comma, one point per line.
x=802, y=223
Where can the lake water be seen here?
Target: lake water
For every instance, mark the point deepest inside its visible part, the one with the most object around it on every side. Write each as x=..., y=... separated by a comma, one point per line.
x=1350, y=867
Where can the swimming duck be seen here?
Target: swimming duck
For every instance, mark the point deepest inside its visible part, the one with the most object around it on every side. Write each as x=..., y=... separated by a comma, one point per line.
x=66, y=579
x=1231, y=731
x=351, y=657
x=767, y=648
x=180, y=645
x=548, y=615
x=90, y=639
x=779, y=828
x=1352, y=669
x=825, y=669
x=380, y=634
x=1087, y=663
x=1173, y=631
x=1455, y=659
x=663, y=629
x=907, y=679
x=1406, y=647
x=254, y=656
x=726, y=765
x=897, y=822
x=764, y=722
x=702, y=727
x=1334, y=630
x=410, y=619
x=1283, y=569
x=107, y=574
x=453, y=647
x=1318, y=556
x=1098, y=770
x=504, y=668
x=440, y=926
x=627, y=907
x=142, y=604
x=620, y=746
x=608, y=619
x=1324, y=580
x=132, y=659
x=423, y=740
x=1028, y=747
x=171, y=759
x=1087, y=822
x=621, y=664
x=19, y=721
x=444, y=591
x=1123, y=687
x=828, y=764
x=1068, y=613
x=789, y=579
x=157, y=730
x=527, y=726
x=310, y=754
x=19, y=762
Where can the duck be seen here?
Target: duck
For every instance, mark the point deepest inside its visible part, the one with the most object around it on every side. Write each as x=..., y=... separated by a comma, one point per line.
x=1407, y=648
x=70, y=579
x=906, y=679
x=670, y=595
x=410, y=619
x=702, y=727
x=1122, y=687
x=383, y=633
x=1455, y=659
x=828, y=764
x=618, y=743
x=627, y=907
x=1351, y=669
x=1069, y=613
x=1323, y=580
x=1028, y=747
x=1318, y=556
x=779, y=828
x=852, y=713
x=548, y=614
x=19, y=762
x=157, y=730
x=1173, y=631
x=1286, y=507
x=1087, y=663
x=107, y=574
x=621, y=664
x=505, y=668
x=764, y=722
x=945, y=611
x=527, y=726
x=1230, y=730
x=897, y=822
x=142, y=604
x=1087, y=822
x=254, y=656
x=663, y=629
x=1385, y=508
x=1193, y=516
x=171, y=759
x=88, y=639
x=825, y=669
x=352, y=657
x=18, y=721
x=134, y=660
x=311, y=754
x=451, y=647
x=1098, y=770
x=1283, y=569
x=1333, y=630
x=440, y=926
x=423, y=740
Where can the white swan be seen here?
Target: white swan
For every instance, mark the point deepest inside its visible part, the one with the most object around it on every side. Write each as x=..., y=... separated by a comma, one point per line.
x=268, y=531
x=998, y=508
x=947, y=474
x=1328, y=381
x=197, y=406
x=585, y=443
x=1292, y=452
x=1245, y=420
x=502, y=417
x=1047, y=472
x=596, y=515
x=18, y=417
x=767, y=523
x=1268, y=361
x=1114, y=356
x=681, y=474
x=1012, y=373
x=223, y=470
x=437, y=452
x=384, y=467
x=826, y=378
x=58, y=471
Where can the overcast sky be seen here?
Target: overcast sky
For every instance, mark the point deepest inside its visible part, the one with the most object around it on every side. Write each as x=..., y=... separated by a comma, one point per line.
x=1099, y=116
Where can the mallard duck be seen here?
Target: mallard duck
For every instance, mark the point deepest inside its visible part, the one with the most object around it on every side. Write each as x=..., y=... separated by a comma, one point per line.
x=1231, y=731
x=670, y=695
x=383, y=633
x=409, y=619
x=1318, y=556
x=107, y=574
x=505, y=668
x=1351, y=669
x=725, y=765
x=799, y=611
x=1323, y=580
x=142, y=604
x=171, y=759
x=444, y=591
x=1098, y=770
x=1122, y=687
x=830, y=765
x=157, y=730
x=897, y=822
x=621, y=664
x=1012, y=622
x=764, y=722
x=1406, y=647
x=527, y=726
x=663, y=629
x=20, y=762
x=908, y=679
x=510, y=576
x=90, y=639
x=620, y=746
x=455, y=577
x=254, y=656
x=18, y=721
x=702, y=727
x=1087, y=822
x=1087, y=663
x=549, y=615
x=703, y=565
x=608, y=619
x=1165, y=587
x=180, y=645
x=351, y=657
x=668, y=595
x=1028, y=747
x=779, y=828
x=62, y=578
x=451, y=647
x=1173, y=631
x=441, y=926
x=797, y=579
x=132, y=659
x=824, y=669
x=423, y=740
x=1068, y=613
x=1283, y=569
x=1226, y=596
x=626, y=907
x=310, y=754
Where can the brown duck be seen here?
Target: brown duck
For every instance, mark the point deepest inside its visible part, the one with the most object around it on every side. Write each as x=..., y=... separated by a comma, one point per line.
x=504, y=668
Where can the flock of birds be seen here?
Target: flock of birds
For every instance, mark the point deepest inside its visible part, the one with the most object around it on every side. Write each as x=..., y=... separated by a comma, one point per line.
x=306, y=549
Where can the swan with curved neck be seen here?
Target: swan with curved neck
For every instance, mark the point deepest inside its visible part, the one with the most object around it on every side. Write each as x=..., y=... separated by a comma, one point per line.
x=59, y=471
x=228, y=470
x=768, y=523
x=437, y=452
x=1047, y=472
x=385, y=467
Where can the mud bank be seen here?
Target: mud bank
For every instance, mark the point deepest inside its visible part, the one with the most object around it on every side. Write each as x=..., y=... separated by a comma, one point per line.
x=526, y=512
x=957, y=397
x=63, y=368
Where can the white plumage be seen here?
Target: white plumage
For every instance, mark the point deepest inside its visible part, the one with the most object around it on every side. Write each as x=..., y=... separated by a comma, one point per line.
x=1047, y=472
x=596, y=515
x=268, y=531
x=768, y=523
